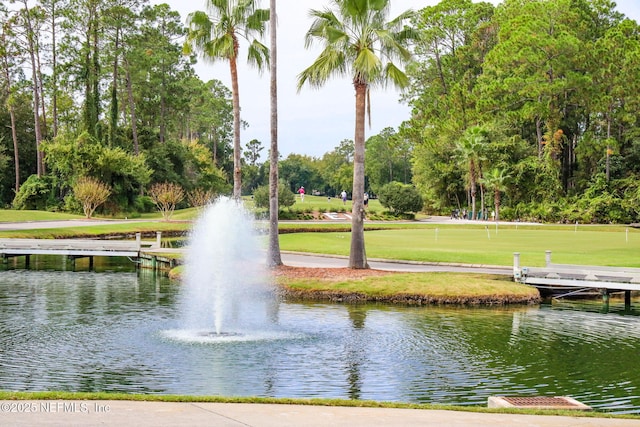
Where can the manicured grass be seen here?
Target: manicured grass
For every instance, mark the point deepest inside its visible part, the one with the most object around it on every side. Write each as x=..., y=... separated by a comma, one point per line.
x=188, y=214
x=433, y=287
x=323, y=204
x=10, y=215
x=474, y=245
x=414, y=241
x=99, y=230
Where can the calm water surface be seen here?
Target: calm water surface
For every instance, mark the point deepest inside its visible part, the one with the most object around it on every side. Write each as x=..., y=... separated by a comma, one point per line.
x=112, y=331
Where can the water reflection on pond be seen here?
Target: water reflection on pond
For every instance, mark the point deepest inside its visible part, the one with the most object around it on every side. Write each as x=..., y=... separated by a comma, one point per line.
x=88, y=331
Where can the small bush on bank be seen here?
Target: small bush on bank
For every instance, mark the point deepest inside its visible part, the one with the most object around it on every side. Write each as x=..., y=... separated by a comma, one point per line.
x=400, y=198
x=285, y=197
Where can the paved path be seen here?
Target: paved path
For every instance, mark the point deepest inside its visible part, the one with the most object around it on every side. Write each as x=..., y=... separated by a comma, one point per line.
x=332, y=261
x=154, y=414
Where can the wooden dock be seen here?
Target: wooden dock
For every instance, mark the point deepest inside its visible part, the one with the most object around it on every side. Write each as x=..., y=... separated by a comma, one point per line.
x=571, y=279
x=143, y=253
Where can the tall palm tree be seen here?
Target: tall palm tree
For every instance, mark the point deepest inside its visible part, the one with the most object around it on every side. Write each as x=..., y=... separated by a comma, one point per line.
x=216, y=36
x=274, y=257
x=359, y=42
x=470, y=148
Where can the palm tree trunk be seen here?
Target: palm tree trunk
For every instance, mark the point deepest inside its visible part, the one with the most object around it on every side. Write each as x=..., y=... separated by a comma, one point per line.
x=472, y=188
x=357, y=255
x=273, y=257
x=235, y=95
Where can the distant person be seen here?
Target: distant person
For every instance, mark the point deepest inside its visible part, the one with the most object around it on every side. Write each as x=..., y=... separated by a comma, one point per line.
x=366, y=199
x=343, y=195
x=301, y=191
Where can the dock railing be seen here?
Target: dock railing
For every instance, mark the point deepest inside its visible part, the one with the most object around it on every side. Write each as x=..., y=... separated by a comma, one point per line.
x=577, y=276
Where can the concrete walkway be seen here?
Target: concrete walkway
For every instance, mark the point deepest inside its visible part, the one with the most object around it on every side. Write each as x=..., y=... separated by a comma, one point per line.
x=153, y=414
x=298, y=259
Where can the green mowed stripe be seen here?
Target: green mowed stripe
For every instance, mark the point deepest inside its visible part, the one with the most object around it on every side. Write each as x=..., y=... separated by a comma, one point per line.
x=482, y=246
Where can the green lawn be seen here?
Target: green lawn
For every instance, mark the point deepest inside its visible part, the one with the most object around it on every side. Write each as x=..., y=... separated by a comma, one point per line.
x=416, y=241
x=441, y=287
x=477, y=245
x=10, y=215
x=98, y=230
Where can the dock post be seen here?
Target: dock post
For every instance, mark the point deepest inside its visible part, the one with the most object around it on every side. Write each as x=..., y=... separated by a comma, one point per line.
x=90, y=263
x=627, y=300
x=516, y=265
x=158, y=239
x=27, y=261
x=547, y=258
x=605, y=301
x=138, y=240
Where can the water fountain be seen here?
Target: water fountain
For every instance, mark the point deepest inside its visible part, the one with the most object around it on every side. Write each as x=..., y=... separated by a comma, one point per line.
x=226, y=293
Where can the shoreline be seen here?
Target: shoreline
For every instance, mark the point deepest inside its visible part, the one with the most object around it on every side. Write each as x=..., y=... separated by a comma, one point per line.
x=404, y=299
x=320, y=285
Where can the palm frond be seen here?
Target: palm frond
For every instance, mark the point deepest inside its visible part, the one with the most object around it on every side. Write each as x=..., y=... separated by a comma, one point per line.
x=256, y=22
x=396, y=76
x=367, y=66
x=330, y=62
x=258, y=55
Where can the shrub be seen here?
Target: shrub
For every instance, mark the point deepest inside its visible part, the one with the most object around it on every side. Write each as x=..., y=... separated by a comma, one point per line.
x=166, y=196
x=199, y=197
x=400, y=198
x=144, y=204
x=91, y=193
x=35, y=193
x=286, y=198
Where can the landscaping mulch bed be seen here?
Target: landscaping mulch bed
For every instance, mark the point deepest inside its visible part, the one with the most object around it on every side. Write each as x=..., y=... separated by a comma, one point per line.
x=327, y=273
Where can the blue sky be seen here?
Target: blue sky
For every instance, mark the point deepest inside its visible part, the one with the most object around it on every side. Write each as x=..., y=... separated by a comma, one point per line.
x=313, y=121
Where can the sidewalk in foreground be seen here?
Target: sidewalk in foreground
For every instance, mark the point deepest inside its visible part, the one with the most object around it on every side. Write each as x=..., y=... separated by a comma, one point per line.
x=143, y=414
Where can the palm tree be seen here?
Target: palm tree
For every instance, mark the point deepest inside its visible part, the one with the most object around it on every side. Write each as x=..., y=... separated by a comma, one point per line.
x=274, y=257
x=496, y=180
x=216, y=36
x=360, y=43
x=470, y=148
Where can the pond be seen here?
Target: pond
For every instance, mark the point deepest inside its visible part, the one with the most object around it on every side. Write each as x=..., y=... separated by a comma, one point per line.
x=108, y=331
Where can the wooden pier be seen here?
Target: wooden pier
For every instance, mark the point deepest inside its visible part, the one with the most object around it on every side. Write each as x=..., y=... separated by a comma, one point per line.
x=143, y=253
x=571, y=279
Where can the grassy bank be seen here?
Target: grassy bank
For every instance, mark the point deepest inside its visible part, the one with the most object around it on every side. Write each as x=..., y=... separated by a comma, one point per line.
x=102, y=396
x=346, y=285
x=403, y=288
x=104, y=230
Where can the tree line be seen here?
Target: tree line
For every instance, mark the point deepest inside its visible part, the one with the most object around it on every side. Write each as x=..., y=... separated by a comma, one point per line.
x=103, y=89
x=528, y=109
x=532, y=104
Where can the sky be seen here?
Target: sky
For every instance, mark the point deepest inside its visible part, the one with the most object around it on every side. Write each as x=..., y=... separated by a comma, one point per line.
x=310, y=121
